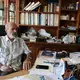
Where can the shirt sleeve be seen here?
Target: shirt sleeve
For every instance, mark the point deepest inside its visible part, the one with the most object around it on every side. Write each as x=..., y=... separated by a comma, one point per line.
x=0, y=46
x=25, y=48
x=0, y=51
x=0, y=42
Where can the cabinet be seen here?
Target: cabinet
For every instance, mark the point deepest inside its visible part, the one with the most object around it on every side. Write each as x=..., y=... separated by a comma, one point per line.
x=45, y=16
x=1, y=12
x=69, y=17
x=11, y=10
x=7, y=11
x=36, y=47
x=79, y=19
x=56, y=26
x=58, y=17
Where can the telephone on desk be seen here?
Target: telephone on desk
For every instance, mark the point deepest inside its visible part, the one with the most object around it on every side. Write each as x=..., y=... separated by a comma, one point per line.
x=47, y=53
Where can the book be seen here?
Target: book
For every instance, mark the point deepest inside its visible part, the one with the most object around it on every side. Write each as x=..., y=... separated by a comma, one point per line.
x=51, y=7
x=45, y=8
x=36, y=19
x=27, y=5
x=22, y=18
x=48, y=20
x=32, y=18
x=35, y=5
x=1, y=4
x=43, y=19
x=51, y=19
x=26, y=18
x=56, y=17
x=1, y=17
x=32, y=6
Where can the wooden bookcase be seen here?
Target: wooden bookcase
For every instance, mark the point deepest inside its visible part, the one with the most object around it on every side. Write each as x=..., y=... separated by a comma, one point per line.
x=50, y=28
x=64, y=8
x=1, y=12
x=54, y=30
x=69, y=17
x=9, y=7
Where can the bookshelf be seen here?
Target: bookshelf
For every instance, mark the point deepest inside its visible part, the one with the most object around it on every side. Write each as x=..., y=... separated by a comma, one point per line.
x=50, y=16
x=9, y=7
x=69, y=18
x=7, y=13
x=55, y=30
x=79, y=19
x=1, y=12
x=41, y=17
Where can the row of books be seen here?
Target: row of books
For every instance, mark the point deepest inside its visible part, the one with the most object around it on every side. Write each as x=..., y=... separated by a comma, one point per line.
x=1, y=4
x=12, y=7
x=51, y=7
x=12, y=16
x=1, y=17
x=39, y=19
x=31, y=6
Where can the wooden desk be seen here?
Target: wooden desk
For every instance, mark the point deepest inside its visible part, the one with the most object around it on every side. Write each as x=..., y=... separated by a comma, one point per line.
x=35, y=47
x=19, y=73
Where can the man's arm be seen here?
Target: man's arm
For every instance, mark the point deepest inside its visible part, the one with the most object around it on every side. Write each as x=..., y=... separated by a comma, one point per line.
x=1, y=65
x=27, y=63
x=0, y=52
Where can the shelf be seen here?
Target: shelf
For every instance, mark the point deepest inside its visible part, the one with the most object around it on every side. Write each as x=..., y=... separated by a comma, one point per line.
x=1, y=9
x=39, y=12
x=58, y=44
x=39, y=26
x=69, y=20
x=61, y=8
x=11, y=11
x=67, y=10
x=13, y=1
x=2, y=25
x=68, y=30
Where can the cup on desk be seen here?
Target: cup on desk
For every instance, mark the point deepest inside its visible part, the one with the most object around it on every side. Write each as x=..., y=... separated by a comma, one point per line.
x=67, y=73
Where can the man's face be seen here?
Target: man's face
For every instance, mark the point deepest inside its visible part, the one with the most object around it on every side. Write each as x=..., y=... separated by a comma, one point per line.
x=11, y=31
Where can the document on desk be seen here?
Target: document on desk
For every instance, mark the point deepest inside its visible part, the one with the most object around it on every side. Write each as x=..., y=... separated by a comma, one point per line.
x=16, y=78
x=20, y=78
x=75, y=58
x=33, y=76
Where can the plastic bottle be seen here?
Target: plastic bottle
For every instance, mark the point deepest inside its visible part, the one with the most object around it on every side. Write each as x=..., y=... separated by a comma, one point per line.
x=77, y=5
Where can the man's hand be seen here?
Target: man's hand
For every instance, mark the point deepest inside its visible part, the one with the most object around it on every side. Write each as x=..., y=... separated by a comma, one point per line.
x=1, y=65
x=6, y=69
x=27, y=64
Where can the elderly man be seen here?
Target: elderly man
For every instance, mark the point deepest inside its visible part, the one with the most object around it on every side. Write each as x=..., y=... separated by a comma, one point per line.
x=11, y=49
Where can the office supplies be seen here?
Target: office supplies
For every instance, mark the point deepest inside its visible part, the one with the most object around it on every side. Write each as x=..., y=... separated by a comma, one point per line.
x=47, y=53
x=42, y=67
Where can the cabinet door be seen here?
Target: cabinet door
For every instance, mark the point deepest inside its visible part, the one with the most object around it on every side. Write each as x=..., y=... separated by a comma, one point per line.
x=1, y=12
x=10, y=10
x=69, y=19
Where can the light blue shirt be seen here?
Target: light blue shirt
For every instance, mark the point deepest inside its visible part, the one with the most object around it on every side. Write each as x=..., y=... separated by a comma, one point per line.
x=10, y=51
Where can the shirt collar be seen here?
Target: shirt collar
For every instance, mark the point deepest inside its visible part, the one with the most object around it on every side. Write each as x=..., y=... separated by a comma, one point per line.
x=7, y=39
